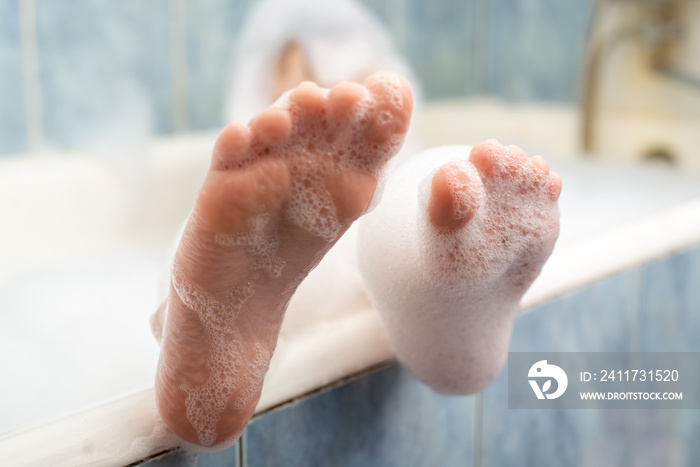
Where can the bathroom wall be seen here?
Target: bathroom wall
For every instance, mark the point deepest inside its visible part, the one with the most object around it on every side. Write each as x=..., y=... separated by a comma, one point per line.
x=70, y=69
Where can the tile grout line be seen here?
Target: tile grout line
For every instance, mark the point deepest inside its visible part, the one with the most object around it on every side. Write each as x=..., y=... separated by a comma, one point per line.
x=635, y=346
x=478, y=439
x=241, y=448
x=30, y=74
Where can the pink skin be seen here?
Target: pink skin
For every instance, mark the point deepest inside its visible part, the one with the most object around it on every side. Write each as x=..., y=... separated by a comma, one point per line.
x=245, y=249
x=442, y=201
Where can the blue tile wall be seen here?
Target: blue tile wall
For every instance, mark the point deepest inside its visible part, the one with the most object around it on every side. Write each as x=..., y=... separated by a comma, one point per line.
x=653, y=308
x=438, y=39
x=384, y=419
x=536, y=48
x=670, y=320
x=13, y=137
x=103, y=65
x=670, y=311
x=103, y=62
x=600, y=318
x=212, y=29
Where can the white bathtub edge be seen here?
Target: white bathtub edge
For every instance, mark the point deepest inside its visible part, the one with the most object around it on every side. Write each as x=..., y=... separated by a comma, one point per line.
x=615, y=251
x=104, y=436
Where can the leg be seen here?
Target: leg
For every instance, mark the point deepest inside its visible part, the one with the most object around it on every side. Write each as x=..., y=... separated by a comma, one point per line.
x=277, y=196
x=446, y=267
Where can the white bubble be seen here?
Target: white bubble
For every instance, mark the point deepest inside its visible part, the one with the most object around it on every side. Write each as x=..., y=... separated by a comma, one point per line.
x=261, y=243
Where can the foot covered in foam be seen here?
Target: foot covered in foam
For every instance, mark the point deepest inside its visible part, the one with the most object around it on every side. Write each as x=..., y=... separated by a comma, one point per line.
x=277, y=196
x=446, y=267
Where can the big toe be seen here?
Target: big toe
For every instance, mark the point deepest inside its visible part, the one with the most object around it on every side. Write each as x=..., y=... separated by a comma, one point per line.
x=393, y=105
x=456, y=192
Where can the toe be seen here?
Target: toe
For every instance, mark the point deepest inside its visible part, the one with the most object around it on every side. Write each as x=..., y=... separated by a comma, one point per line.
x=517, y=153
x=393, y=105
x=228, y=201
x=272, y=126
x=540, y=163
x=485, y=157
x=456, y=193
x=554, y=186
x=307, y=100
x=344, y=100
x=351, y=192
x=231, y=146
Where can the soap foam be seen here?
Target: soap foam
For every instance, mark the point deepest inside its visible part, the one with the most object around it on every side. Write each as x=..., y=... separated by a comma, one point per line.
x=507, y=225
x=236, y=374
x=260, y=244
x=467, y=194
x=256, y=374
x=447, y=298
x=319, y=150
x=217, y=316
x=206, y=403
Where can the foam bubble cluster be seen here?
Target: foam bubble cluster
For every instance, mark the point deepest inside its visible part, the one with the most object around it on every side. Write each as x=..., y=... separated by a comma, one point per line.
x=450, y=295
x=330, y=147
x=392, y=89
x=236, y=371
x=467, y=192
x=515, y=219
x=261, y=244
x=217, y=315
x=256, y=367
x=231, y=373
x=227, y=360
x=310, y=205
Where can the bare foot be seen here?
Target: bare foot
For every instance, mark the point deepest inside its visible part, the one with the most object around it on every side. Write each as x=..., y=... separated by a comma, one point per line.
x=277, y=196
x=447, y=266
